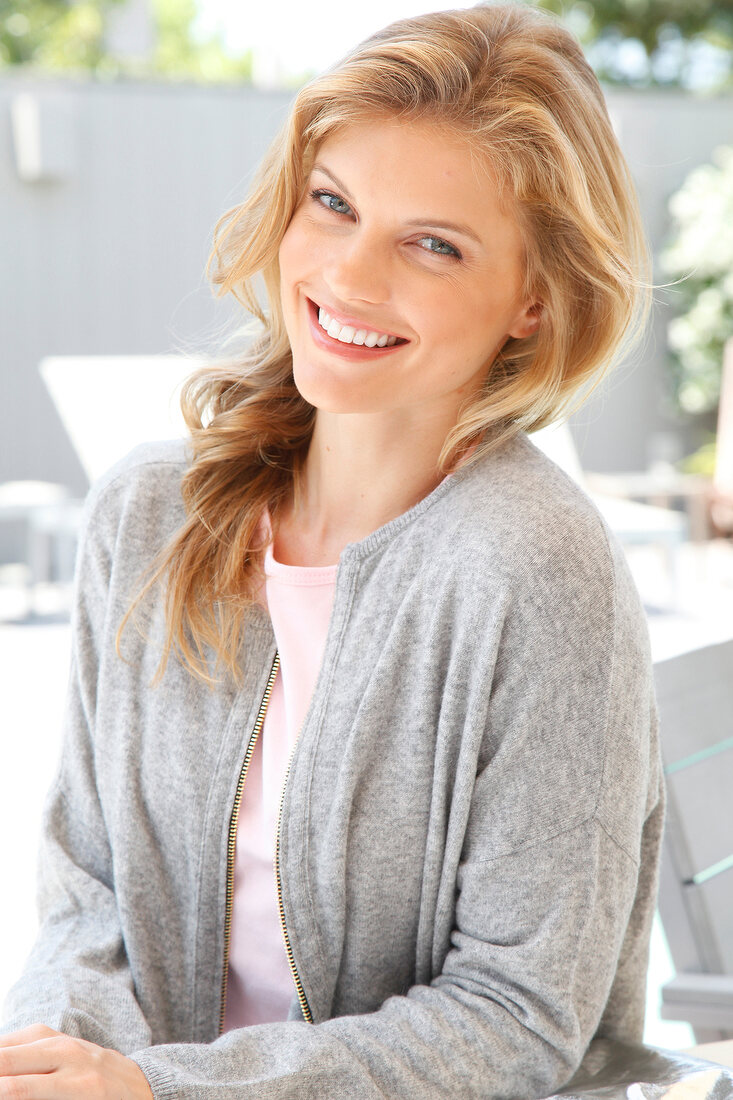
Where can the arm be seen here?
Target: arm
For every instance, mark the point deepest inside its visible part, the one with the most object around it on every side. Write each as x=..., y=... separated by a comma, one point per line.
x=77, y=978
x=501, y=1036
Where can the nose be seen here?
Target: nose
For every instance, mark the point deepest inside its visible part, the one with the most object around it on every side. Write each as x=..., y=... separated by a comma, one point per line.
x=358, y=269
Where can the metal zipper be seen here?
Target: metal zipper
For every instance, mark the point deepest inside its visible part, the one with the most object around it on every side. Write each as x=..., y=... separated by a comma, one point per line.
x=304, y=1006
x=232, y=839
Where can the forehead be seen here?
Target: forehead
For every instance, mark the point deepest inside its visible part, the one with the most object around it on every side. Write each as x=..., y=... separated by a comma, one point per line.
x=415, y=160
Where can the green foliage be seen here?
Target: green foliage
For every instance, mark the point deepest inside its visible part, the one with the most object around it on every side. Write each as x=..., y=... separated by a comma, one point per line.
x=639, y=42
x=700, y=256
x=654, y=42
x=52, y=34
x=178, y=54
x=68, y=35
x=702, y=462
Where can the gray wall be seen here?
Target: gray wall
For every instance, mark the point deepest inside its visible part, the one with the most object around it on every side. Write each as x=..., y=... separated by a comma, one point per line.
x=664, y=136
x=106, y=254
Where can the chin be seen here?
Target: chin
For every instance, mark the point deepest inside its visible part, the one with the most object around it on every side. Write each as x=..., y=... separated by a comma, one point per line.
x=331, y=394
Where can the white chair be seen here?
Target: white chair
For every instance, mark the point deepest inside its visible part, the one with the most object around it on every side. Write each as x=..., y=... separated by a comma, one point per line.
x=110, y=403
x=695, y=697
x=50, y=517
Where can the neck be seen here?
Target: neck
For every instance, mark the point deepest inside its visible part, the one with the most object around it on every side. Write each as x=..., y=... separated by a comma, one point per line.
x=360, y=473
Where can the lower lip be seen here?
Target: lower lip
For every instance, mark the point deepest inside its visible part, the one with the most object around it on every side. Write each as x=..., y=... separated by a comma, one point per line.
x=345, y=351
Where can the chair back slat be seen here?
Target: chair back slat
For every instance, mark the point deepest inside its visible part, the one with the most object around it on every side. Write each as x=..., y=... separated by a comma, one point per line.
x=712, y=906
x=695, y=697
x=700, y=804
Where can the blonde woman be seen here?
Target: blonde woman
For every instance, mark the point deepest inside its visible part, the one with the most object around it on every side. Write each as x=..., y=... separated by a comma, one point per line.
x=360, y=794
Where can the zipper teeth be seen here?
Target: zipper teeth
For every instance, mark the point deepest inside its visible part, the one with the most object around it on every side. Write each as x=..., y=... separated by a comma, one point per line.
x=304, y=1006
x=232, y=839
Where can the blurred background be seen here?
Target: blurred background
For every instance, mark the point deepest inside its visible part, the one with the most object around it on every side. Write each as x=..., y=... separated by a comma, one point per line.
x=127, y=127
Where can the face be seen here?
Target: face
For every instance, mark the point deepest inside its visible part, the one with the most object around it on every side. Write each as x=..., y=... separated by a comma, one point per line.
x=401, y=273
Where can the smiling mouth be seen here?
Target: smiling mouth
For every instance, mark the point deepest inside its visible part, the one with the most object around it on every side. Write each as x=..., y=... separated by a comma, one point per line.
x=351, y=334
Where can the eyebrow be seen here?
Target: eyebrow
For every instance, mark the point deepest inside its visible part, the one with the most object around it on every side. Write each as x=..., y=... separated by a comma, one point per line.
x=452, y=227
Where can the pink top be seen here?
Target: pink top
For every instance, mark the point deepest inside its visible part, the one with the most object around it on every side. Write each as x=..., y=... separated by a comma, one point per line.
x=260, y=986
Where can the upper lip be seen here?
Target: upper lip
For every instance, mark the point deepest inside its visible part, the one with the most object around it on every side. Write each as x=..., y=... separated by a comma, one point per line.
x=354, y=323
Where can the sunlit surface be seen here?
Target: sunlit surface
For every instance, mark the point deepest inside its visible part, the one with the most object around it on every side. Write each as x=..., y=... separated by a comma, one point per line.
x=292, y=39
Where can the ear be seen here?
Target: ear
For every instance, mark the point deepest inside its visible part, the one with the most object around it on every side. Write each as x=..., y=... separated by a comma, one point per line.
x=526, y=321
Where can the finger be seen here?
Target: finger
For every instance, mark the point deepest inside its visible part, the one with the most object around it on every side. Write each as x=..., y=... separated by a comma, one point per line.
x=27, y=1035
x=41, y=1056
x=44, y=1055
x=33, y=1088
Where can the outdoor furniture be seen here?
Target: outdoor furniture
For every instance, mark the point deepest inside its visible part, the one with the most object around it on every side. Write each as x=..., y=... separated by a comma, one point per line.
x=662, y=489
x=624, y=1071
x=110, y=403
x=722, y=503
x=51, y=519
x=721, y=1052
x=695, y=696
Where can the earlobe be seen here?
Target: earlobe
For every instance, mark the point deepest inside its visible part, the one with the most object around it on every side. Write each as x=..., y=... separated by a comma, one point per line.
x=527, y=322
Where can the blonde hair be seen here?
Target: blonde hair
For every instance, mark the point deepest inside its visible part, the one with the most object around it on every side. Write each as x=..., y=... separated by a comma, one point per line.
x=517, y=86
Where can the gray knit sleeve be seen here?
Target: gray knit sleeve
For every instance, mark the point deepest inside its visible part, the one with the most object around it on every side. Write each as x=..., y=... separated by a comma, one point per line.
x=77, y=978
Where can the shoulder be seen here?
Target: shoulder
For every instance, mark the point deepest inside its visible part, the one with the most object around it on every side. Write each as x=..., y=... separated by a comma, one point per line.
x=518, y=488
x=144, y=465
x=140, y=494
x=516, y=513
x=517, y=531
x=572, y=686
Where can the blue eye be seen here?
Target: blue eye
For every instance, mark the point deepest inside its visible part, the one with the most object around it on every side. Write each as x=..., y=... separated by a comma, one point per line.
x=439, y=247
x=331, y=201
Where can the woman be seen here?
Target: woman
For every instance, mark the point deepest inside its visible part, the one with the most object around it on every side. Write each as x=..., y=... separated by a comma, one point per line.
x=465, y=836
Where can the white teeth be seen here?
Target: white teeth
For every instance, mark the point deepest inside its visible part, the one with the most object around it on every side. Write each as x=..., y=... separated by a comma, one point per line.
x=347, y=334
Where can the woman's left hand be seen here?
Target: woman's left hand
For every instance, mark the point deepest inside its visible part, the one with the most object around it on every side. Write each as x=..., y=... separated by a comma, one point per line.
x=39, y=1063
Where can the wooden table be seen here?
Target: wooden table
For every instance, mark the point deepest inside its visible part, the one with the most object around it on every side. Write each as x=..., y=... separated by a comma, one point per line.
x=662, y=488
x=722, y=1052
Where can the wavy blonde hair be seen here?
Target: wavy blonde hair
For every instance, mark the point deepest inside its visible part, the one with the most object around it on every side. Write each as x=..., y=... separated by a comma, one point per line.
x=517, y=86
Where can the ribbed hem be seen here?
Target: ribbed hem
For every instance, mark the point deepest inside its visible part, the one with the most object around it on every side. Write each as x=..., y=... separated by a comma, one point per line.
x=163, y=1083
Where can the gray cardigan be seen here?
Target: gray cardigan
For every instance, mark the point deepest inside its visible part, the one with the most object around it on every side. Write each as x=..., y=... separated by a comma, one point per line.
x=470, y=826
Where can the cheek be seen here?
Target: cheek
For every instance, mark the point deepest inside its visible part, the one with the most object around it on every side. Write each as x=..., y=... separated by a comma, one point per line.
x=293, y=249
x=467, y=329
x=284, y=255
x=456, y=322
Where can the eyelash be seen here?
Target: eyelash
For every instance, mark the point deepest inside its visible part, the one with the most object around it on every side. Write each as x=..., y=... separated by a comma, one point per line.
x=322, y=192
